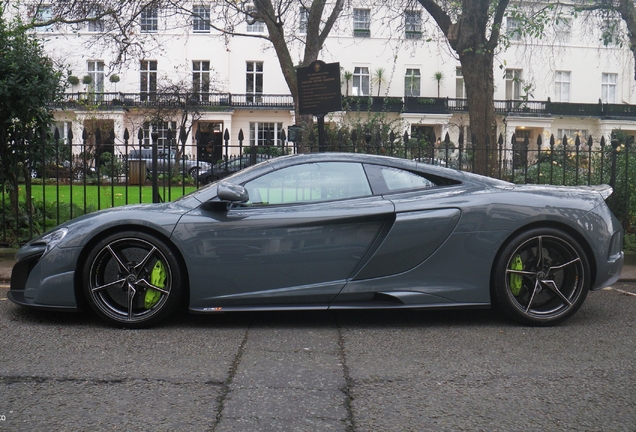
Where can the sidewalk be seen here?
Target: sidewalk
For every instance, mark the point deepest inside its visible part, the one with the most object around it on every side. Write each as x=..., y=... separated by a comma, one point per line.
x=7, y=260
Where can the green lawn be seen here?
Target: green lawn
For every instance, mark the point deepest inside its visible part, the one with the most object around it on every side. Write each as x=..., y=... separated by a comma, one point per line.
x=100, y=197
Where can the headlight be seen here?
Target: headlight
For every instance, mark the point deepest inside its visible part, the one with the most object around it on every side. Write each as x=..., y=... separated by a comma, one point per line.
x=51, y=239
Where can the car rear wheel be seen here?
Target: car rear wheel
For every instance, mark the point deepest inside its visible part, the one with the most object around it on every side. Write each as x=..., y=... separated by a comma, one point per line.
x=541, y=277
x=132, y=280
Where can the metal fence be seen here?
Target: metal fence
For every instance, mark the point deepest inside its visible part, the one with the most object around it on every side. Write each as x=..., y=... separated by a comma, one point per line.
x=64, y=179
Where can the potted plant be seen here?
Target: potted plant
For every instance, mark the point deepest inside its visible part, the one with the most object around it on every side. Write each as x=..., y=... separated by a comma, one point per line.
x=114, y=78
x=439, y=77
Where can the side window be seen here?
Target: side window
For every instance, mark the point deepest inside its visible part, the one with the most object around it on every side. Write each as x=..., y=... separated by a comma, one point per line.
x=310, y=182
x=397, y=179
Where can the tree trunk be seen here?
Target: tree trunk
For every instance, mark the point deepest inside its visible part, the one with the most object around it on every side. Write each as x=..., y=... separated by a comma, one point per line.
x=479, y=82
x=314, y=42
x=474, y=37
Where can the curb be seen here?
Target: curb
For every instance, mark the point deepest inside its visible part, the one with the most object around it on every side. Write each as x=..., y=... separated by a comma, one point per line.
x=7, y=254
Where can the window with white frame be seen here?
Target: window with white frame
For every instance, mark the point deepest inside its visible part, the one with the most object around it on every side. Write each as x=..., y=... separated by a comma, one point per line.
x=96, y=72
x=63, y=129
x=265, y=134
x=362, y=22
x=44, y=14
x=460, y=89
x=149, y=19
x=412, y=83
x=413, y=24
x=201, y=79
x=513, y=84
x=571, y=135
x=361, y=82
x=610, y=28
x=161, y=128
x=513, y=29
x=562, y=86
x=201, y=19
x=254, y=25
x=254, y=81
x=96, y=25
x=303, y=19
x=148, y=80
x=608, y=87
x=563, y=31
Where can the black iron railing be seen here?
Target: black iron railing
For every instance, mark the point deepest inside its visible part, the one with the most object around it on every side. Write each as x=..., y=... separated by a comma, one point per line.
x=66, y=178
x=426, y=105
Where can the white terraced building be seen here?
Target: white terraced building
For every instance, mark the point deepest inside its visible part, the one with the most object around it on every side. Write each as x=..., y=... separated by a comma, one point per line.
x=567, y=83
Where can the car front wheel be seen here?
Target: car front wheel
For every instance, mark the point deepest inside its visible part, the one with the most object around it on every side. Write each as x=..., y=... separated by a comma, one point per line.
x=541, y=277
x=132, y=280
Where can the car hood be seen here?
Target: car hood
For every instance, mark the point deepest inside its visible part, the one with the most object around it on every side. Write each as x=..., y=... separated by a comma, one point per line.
x=160, y=217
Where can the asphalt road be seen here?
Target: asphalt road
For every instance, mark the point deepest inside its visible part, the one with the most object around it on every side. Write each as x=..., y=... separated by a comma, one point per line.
x=347, y=371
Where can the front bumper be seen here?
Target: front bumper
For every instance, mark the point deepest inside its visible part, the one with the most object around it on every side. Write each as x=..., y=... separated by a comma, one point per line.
x=44, y=282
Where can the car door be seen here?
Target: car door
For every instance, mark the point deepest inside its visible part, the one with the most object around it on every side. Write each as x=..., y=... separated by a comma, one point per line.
x=304, y=231
x=421, y=226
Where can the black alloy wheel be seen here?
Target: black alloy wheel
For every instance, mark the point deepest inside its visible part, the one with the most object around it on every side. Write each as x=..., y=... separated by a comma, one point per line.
x=133, y=280
x=541, y=277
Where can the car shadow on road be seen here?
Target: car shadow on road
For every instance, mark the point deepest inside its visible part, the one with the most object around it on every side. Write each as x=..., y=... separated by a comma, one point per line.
x=308, y=319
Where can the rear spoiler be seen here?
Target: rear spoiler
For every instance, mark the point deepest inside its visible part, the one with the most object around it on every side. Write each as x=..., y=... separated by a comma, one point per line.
x=605, y=190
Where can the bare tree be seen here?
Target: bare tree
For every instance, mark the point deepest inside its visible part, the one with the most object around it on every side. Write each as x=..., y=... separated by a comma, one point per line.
x=473, y=32
x=605, y=11
x=281, y=19
x=117, y=20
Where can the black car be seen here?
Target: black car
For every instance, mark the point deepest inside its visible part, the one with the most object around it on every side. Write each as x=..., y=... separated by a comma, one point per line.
x=230, y=166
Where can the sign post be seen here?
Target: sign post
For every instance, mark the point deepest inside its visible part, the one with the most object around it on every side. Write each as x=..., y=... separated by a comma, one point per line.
x=319, y=93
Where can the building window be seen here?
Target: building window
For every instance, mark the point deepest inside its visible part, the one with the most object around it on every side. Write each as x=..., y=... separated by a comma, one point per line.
x=201, y=80
x=412, y=83
x=254, y=81
x=148, y=80
x=96, y=72
x=161, y=128
x=361, y=81
x=563, y=31
x=460, y=89
x=149, y=19
x=63, y=129
x=362, y=22
x=562, y=86
x=265, y=134
x=44, y=14
x=571, y=135
x=513, y=29
x=201, y=19
x=96, y=25
x=513, y=84
x=303, y=19
x=608, y=87
x=254, y=25
x=413, y=24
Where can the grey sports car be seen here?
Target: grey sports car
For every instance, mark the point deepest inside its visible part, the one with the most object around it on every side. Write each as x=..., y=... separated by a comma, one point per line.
x=332, y=231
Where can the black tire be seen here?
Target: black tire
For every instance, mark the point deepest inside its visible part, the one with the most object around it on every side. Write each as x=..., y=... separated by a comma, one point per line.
x=194, y=172
x=541, y=277
x=118, y=280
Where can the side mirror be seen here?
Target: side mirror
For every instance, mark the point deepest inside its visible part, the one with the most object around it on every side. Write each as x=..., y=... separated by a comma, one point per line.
x=227, y=194
x=232, y=193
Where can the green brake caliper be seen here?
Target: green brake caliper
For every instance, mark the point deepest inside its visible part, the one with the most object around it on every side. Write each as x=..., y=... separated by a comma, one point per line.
x=516, y=280
x=158, y=279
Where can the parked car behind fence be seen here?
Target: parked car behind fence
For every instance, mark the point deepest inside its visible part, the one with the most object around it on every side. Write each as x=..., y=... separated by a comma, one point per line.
x=166, y=162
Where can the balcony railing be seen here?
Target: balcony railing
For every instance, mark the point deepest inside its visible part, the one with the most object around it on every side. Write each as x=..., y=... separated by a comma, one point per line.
x=425, y=105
